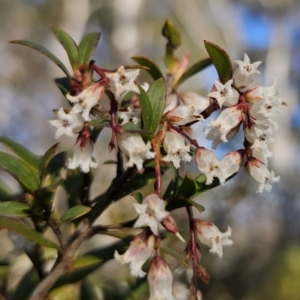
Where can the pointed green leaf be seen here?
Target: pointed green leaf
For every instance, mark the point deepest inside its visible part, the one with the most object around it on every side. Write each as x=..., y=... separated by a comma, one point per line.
x=89, y=290
x=22, y=152
x=175, y=255
x=45, y=160
x=199, y=207
x=201, y=185
x=6, y=193
x=87, y=47
x=171, y=33
x=187, y=187
x=153, y=69
x=26, y=286
x=146, y=108
x=20, y=171
x=28, y=232
x=99, y=123
x=14, y=209
x=221, y=61
x=44, y=51
x=46, y=194
x=75, y=212
x=130, y=127
x=69, y=45
x=138, y=196
x=194, y=69
x=63, y=83
x=83, y=267
x=55, y=167
x=157, y=94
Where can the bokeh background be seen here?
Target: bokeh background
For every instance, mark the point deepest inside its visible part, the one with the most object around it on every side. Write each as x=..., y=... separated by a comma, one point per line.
x=264, y=262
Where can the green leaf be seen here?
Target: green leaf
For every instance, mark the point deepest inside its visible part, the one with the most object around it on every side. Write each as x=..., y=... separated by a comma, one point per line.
x=14, y=209
x=153, y=69
x=171, y=33
x=89, y=290
x=187, y=187
x=221, y=61
x=139, y=180
x=22, y=152
x=75, y=212
x=82, y=267
x=28, y=232
x=69, y=45
x=157, y=94
x=55, y=167
x=46, y=194
x=199, y=207
x=6, y=193
x=146, y=108
x=26, y=286
x=175, y=255
x=44, y=51
x=20, y=171
x=201, y=185
x=194, y=69
x=99, y=123
x=63, y=83
x=45, y=160
x=138, y=196
x=87, y=47
x=130, y=127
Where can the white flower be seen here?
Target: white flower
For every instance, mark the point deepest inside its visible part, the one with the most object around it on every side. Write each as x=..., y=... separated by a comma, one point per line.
x=135, y=148
x=184, y=114
x=262, y=153
x=83, y=153
x=225, y=127
x=176, y=148
x=172, y=101
x=210, y=235
x=140, y=249
x=259, y=92
x=68, y=124
x=160, y=280
x=21, y=243
x=208, y=164
x=151, y=211
x=122, y=81
x=86, y=100
x=260, y=173
x=130, y=115
x=259, y=135
x=225, y=94
x=243, y=75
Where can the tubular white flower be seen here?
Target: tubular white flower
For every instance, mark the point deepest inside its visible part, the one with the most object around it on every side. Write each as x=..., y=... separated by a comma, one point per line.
x=227, y=123
x=135, y=148
x=259, y=92
x=86, y=100
x=68, y=124
x=243, y=75
x=82, y=158
x=140, y=249
x=184, y=114
x=260, y=173
x=172, y=102
x=208, y=164
x=225, y=94
x=130, y=115
x=160, y=280
x=151, y=211
x=122, y=82
x=259, y=135
x=210, y=235
x=176, y=148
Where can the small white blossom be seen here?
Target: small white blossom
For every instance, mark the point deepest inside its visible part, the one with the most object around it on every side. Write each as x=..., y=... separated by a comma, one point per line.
x=210, y=235
x=260, y=173
x=172, y=102
x=176, y=148
x=183, y=114
x=259, y=92
x=140, y=249
x=83, y=153
x=208, y=164
x=68, y=124
x=160, y=280
x=135, y=148
x=130, y=115
x=225, y=127
x=151, y=212
x=261, y=153
x=86, y=100
x=243, y=75
x=225, y=94
x=122, y=82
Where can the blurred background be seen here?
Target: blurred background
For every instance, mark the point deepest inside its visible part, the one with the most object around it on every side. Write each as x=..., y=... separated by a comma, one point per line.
x=264, y=262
